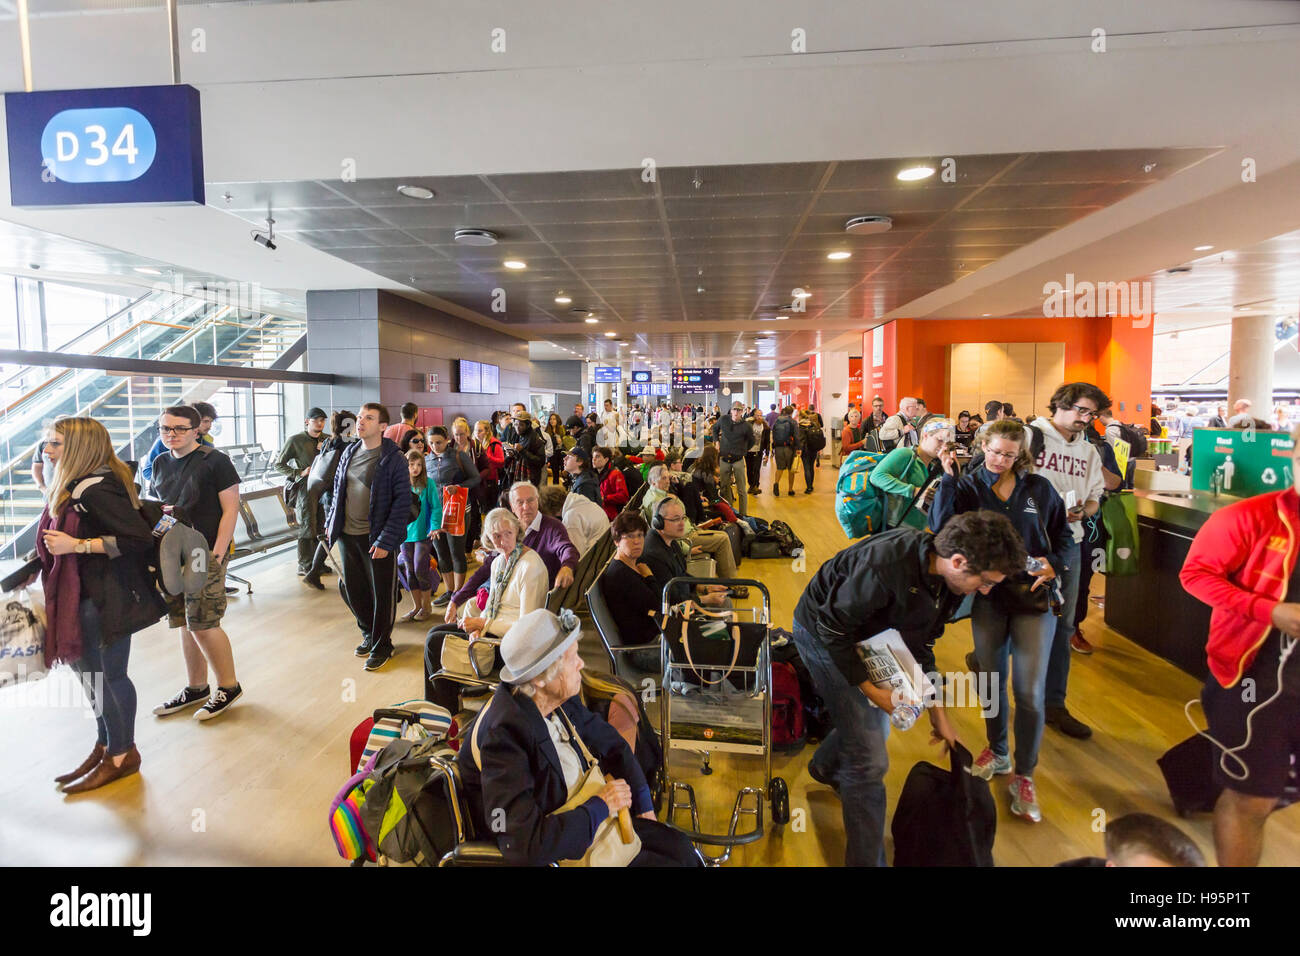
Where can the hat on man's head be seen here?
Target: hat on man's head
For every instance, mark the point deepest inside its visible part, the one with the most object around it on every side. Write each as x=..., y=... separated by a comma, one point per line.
x=523, y=417
x=316, y=413
x=580, y=453
x=535, y=642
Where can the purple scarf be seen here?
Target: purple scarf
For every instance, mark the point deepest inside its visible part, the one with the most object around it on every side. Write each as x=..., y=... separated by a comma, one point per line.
x=62, y=585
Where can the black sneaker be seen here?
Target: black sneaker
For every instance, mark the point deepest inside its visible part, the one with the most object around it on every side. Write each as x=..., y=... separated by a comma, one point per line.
x=380, y=656
x=776, y=491
x=186, y=698
x=807, y=491
x=326, y=570
x=822, y=778
x=443, y=599
x=313, y=581
x=363, y=649
x=219, y=702
x=1061, y=719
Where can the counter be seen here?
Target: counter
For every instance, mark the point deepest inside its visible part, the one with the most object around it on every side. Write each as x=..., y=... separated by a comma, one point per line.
x=1151, y=608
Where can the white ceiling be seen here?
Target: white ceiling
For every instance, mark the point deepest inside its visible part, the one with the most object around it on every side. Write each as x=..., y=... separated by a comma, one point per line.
x=295, y=92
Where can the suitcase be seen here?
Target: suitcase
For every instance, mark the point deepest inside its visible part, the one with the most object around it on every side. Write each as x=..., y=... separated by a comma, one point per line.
x=737, y=539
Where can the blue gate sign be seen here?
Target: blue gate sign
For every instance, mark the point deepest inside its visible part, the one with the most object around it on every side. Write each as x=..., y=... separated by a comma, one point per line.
x=140, y=144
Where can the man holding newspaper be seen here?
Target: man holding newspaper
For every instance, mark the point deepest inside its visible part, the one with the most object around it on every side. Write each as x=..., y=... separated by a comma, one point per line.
x=909, y=581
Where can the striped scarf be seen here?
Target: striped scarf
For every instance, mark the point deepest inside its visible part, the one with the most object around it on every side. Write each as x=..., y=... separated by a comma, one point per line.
x=500, y=578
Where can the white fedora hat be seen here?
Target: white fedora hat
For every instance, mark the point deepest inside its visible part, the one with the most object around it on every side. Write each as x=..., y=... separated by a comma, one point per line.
x=535, y=642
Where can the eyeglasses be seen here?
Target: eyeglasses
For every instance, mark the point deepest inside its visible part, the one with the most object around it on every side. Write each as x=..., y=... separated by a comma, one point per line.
x=1004, y=455
x=1087, y=413
x=175, y=429
x=673, y=517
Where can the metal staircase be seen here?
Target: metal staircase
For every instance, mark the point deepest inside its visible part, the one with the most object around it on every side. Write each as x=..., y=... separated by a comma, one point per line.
x=180, y=329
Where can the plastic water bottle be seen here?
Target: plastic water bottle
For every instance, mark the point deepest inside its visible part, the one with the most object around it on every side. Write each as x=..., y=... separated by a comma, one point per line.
x=905, y=715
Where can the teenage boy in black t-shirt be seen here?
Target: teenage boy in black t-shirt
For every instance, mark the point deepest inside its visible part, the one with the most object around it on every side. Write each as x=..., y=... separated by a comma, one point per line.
x=201, y=483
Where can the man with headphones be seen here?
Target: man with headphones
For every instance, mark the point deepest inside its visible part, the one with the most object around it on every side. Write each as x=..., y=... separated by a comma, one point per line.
x=665, y=553
x=1245, y=564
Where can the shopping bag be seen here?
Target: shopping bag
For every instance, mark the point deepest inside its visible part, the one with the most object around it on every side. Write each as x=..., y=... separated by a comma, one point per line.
x=1119, y=515
x=454, y=500
x=22, y=640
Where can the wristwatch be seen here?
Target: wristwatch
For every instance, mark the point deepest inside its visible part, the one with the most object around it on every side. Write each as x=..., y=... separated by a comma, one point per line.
x=83, y=546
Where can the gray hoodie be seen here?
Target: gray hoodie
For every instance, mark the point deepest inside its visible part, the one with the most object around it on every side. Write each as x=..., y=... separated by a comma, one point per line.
x=1069, y=466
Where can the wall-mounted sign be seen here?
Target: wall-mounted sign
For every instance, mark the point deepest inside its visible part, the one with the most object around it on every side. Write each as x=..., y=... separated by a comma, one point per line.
x=695, y=379
x=608, y=373
x=431, y=382
x=642, y=375
x=137, y=144
x=1247, y=462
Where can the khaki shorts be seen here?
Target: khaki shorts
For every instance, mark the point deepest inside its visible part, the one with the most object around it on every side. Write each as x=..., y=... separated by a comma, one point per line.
x=784, y=456
x=202, y=611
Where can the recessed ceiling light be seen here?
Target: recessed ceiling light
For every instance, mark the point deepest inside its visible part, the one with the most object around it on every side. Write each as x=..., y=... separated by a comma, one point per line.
x=913, y=173
x=838, y=255
x=148, y=270
x=515, y=264
x=562, y=300
x=415, y=192
x=591, y=321
x=610, y=335
x=475, y=237
x=803, y=294
x=987, y=314
x=1203, y=248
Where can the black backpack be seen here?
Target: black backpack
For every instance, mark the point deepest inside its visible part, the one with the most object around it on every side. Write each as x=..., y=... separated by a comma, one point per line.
x=783, y=432
x=945, y=817
x=1137, y=441
x=787, y=541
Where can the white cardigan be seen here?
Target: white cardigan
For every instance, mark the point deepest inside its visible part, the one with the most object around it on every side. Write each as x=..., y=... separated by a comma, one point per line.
x=524, y=592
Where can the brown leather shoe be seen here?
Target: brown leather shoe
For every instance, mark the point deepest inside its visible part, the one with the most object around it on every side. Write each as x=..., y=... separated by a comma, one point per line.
x=106, y=772
x=87, y=765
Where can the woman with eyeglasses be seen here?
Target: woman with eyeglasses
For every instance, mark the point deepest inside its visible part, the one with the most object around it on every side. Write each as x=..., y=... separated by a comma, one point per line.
x=905, y=474
x=1005, y=622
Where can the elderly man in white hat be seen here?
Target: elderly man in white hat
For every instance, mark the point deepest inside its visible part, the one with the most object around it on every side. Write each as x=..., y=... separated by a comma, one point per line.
x=548, y=777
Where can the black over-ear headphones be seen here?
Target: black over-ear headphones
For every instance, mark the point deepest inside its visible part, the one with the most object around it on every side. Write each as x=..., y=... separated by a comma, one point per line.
x=658, y=522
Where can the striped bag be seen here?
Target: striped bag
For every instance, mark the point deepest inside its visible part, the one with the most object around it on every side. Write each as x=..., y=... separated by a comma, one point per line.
x=410, y=720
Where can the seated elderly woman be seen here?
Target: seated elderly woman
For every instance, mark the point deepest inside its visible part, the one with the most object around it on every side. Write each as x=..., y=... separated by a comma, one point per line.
x=518, y=585
x=535, y=765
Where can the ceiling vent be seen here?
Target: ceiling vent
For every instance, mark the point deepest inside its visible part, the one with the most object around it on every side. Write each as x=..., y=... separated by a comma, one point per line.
x=476, y=237
x=868, y=225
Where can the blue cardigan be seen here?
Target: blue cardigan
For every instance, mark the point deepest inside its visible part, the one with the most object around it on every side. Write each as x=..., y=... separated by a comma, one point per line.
x=390, y=497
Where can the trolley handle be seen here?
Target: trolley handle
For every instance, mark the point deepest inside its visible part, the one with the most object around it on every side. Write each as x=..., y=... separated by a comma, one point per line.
x=691, y=583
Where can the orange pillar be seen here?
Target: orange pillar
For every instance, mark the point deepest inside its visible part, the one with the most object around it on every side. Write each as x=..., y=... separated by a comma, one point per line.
x=1124, y=365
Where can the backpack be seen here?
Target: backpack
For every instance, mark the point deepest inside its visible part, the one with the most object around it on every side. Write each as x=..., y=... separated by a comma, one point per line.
x=787, y=540
x=859, y=505
x=783, y=433
x=1137, y=442
x=814, y=437
x=787, y=707
x=944, y=817
x=816, y=715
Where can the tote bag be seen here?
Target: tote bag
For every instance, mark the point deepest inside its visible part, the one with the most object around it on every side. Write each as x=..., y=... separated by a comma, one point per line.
x=1119, y=514
x=454, y=499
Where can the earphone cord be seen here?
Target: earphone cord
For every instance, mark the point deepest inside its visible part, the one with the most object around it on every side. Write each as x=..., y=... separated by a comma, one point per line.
x=1288, y=645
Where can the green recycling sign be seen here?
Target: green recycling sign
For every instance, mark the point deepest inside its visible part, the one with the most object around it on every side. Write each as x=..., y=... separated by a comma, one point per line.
x=1246, y=462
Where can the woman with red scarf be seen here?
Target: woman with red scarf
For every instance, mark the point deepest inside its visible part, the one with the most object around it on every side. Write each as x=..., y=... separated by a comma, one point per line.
x=94, y=548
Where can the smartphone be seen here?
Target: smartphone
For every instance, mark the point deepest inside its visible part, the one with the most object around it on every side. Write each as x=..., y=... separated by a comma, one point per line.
x=1071, y=500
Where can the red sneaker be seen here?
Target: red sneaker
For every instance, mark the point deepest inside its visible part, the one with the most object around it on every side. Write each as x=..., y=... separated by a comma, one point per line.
x=1079, y=643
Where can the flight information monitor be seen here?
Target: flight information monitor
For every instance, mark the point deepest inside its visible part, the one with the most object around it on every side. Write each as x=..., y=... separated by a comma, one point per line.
x=643, y=375
x=608, y=373
x=695, y=379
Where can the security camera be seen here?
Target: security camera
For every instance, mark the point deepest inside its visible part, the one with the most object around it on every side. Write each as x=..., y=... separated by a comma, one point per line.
x=268, y=239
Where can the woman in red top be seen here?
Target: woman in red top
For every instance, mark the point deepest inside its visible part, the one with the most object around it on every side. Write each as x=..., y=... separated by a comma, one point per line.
x=613, y=487
x=490, y=460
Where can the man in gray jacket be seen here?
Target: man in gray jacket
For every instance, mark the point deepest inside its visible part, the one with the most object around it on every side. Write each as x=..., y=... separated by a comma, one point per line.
x=733, y=435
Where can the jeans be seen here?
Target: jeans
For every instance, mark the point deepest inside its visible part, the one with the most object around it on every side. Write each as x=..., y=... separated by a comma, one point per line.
x=371, y=584
x=1058, y=668
x=114, y=700
x=854, y=753
x=1027, y=638
x=726, y=471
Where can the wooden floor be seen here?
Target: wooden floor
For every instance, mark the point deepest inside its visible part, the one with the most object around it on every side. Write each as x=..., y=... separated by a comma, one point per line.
x=254, y=787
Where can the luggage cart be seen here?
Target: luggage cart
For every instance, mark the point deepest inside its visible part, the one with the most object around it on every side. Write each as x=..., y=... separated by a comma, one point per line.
x=717, y=698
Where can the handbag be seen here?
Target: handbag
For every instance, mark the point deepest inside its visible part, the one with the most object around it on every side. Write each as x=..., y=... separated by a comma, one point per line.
x=1015, y=595
x=1119, y=515
x=22, y=640
x=467, y=658
x=607, y=848
x=454, y=500
x=706, y=625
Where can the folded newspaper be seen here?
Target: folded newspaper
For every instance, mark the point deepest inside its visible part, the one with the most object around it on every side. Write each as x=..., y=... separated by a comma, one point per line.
x=891, y=666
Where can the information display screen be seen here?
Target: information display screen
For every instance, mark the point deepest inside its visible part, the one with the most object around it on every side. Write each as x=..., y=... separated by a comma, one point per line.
x=648, y=388
x=490, y=380
x=641, y=376
x=137, y=144
x=608, y=373
x=469, y=377
x=695, y=379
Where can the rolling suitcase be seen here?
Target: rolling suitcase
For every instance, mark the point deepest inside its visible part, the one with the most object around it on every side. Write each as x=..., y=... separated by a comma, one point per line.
x=737, y=539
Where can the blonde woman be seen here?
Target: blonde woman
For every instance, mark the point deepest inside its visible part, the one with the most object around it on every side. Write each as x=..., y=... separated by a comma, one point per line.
x=94, y=548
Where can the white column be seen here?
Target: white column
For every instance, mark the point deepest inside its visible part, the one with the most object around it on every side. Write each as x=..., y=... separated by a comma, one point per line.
x=1250, y=363
x=835, y=385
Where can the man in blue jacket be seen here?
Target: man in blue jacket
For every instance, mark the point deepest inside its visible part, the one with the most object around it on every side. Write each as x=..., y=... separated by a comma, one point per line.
x=369, y=514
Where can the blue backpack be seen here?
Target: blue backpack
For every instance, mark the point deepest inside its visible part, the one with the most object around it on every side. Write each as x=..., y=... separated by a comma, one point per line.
x=859, y=505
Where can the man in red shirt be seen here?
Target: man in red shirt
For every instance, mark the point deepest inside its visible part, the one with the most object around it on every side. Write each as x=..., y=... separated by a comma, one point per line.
x=397, y=432
x=1243, y=564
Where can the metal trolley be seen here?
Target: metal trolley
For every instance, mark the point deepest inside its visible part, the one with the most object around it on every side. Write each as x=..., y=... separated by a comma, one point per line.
x=717, y=698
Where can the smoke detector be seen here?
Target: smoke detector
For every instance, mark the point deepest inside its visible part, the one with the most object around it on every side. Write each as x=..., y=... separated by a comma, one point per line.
x=476, y=237
x=868, y=225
